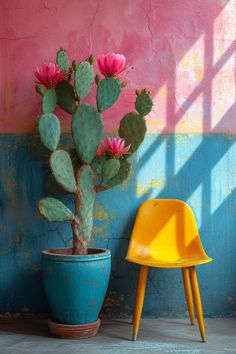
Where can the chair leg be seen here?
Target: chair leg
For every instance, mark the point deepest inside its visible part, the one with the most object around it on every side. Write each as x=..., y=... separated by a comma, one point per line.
x=188, y=294
x=139, y=299
x=197, y=301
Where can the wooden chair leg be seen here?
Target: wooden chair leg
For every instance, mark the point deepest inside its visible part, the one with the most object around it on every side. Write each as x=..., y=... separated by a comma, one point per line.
x=197, y=301
x=188, y=294
x=139, y=299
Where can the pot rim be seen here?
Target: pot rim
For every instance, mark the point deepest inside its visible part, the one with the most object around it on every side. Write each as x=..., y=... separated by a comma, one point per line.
x=102, y=254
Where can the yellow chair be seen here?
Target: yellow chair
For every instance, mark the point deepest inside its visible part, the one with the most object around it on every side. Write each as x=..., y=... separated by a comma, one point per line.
x=165, y=235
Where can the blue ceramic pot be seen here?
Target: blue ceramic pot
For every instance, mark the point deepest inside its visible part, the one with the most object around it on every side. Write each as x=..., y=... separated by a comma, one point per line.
x=76, y=285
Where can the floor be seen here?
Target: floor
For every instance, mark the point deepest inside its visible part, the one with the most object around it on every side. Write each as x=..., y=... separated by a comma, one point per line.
x=162, y=335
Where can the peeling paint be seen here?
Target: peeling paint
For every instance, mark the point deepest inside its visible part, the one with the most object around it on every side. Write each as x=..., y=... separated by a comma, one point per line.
x=231, y=300
x=147, y=188
x=100, y=213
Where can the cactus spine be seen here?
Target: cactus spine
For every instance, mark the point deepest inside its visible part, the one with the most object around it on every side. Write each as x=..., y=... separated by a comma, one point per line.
x=79, y=170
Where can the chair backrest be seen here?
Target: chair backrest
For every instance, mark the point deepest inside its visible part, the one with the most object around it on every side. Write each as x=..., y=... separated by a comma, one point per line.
x=165, y=230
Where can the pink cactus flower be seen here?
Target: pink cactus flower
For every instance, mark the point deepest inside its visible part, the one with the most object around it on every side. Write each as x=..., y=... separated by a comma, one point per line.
x=115, y=146
x=49, y=75
x=111, y=64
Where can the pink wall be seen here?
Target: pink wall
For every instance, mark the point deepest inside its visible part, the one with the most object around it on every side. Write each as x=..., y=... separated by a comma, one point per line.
x=184, y=51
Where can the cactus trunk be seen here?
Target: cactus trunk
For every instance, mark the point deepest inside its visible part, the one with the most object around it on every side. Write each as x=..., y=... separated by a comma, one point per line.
x=80, y=245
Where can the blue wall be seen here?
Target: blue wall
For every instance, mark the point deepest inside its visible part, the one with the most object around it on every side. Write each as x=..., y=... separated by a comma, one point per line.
x=200, y=169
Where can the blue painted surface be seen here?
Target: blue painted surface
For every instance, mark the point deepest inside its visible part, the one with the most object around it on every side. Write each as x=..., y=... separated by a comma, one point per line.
x=76, y=285
x=200, y=169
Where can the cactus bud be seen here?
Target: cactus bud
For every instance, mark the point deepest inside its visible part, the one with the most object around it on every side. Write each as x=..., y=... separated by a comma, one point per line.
x=123, y=84
x=97, y=79
x=70, y=71
x=91, y=59
x=74, y=65
x=40, y=89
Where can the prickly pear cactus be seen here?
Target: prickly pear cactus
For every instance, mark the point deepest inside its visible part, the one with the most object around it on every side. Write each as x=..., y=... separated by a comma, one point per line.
x=122, y=175
x=86, y=131
x=143, y=103
x=54, y=210
x=90, y=165
x=108, y=93
x=62, y=169
x=83, y=79
x=62, y=60
x=49, y=130
x=66, y=97
x=133, y=130
x=110, y=168
x=49, y=101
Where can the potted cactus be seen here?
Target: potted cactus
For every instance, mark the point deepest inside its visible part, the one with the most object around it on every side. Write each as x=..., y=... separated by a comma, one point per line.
x=76, y=278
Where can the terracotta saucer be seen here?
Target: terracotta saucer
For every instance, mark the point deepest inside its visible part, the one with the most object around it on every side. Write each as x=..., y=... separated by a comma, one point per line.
x=74, y=331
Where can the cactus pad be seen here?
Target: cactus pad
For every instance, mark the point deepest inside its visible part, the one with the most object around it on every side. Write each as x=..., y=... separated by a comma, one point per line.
x=109, y=169
x=49, y=130
x=54, y=210
x=97, y=165
x=85, y=181
x=121, y=176
x=133, y=130
x=83, y=79
x=144, y=103
x=62, y=60
x=108, y=92
x=49, y=101
x=65, y=96
x=86, y=131
x=62, y=170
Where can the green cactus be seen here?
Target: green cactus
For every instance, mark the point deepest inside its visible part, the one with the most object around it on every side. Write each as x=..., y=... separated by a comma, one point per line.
x=66, y=97
x=86, y=131
x=62, y=60
x=49, y=101
x=97, y=165
x=62, y=170
x=122, y=175
x=80, y=171
x=83, y=79
x=143, y=103
x=109, y=169
x=108, y=92
x=54, y=210
x=85, y=181
x=49, y=130
x=132, y=129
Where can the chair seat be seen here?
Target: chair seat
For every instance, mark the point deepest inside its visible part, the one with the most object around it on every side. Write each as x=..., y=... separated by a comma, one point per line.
x=178, y=263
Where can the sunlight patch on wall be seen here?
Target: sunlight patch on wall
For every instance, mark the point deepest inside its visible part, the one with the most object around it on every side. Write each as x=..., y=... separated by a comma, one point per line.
x=151, y=174
x=195, y=201
x=223, y=94
x=155, y=121
x=184, y=149
x=189, y=74
x=224, y=28
x=223, y=179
